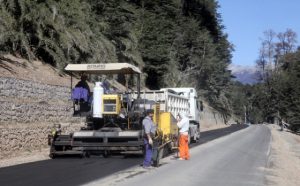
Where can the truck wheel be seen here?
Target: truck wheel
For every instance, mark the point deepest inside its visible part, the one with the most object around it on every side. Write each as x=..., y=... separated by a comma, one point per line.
x=52, y=156
x=106, y=154
x=85, y=154
x=195, y=138
x=82, y=155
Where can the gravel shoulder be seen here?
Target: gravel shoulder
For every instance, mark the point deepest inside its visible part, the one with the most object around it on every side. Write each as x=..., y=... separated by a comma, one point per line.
x=284, y=161
x=26, y=157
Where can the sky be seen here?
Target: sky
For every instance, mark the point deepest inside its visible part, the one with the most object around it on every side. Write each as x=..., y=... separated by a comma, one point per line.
x=246, y=20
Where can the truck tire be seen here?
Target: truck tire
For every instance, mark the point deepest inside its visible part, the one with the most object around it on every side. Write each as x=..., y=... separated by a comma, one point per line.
x=85, y=154
x=189, y=138
x=106, y=154
x=52, y=156
x=196, y=137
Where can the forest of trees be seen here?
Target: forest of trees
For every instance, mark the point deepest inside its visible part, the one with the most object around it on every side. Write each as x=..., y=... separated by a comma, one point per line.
x=277, y=96
x=174, y=42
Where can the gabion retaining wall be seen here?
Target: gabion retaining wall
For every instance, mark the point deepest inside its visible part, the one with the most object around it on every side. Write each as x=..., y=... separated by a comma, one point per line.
x=28, y=111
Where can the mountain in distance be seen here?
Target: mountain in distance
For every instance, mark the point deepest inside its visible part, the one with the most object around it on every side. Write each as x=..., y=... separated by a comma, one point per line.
x=244, y=74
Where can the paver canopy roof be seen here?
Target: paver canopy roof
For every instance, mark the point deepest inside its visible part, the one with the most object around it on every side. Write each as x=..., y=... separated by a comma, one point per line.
x=104, y=68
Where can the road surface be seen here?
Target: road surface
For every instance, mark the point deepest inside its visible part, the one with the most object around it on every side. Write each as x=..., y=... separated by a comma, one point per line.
x=223, y=157
x=235, y=160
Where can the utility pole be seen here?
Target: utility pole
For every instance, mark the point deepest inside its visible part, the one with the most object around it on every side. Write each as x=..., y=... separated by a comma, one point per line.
x=245, y=114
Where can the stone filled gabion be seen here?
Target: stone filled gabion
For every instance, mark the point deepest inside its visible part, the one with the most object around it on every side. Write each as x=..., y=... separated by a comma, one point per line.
x=28, y=110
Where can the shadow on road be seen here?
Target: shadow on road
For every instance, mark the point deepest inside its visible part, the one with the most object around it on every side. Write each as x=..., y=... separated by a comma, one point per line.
x=217, y=133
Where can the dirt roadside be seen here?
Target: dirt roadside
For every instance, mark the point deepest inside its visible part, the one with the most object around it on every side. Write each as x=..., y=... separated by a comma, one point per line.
x=284, y=162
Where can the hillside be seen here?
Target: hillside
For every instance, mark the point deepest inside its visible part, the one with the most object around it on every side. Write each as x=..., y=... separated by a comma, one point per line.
x=174, y=42
x=20, y=68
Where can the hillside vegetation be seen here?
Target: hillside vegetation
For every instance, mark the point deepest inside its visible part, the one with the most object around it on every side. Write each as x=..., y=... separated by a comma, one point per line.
x=174, y=42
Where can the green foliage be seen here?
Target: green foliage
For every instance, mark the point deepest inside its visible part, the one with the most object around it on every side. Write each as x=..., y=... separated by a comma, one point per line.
x=277, y=96
x=287, y=90
x=175, y=42
x=58, y=32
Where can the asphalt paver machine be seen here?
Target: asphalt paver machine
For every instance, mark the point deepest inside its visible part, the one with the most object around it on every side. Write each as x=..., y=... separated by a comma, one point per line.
x=113, y=119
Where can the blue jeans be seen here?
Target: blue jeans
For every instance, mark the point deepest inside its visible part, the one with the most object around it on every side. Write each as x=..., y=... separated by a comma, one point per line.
x=147, y=154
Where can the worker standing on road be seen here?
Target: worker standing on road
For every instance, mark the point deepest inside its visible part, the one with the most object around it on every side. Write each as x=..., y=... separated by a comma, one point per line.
x=149, y=131
x=183, y=125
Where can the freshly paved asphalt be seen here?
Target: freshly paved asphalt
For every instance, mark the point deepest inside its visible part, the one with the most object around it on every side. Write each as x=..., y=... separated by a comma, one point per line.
x=75, y=171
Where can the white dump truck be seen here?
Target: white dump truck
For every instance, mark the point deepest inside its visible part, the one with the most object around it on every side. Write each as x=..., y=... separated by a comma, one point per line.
x=194, y=110
x=176, y=100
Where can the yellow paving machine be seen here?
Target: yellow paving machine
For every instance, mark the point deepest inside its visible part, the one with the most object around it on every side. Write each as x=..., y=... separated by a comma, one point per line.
x=113, y=118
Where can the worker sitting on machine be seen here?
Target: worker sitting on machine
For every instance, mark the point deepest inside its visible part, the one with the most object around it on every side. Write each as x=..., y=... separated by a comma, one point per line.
x=81, y=95
x=83, y=84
